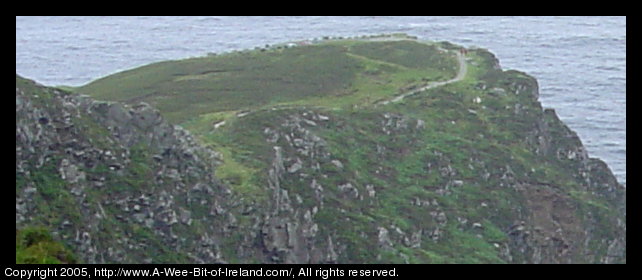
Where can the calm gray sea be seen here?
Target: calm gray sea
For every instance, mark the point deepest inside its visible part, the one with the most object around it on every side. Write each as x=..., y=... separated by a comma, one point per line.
x=580, y=62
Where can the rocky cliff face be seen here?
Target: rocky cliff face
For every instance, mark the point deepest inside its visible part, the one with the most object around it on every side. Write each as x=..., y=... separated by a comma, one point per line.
x=470, y=172
x=115, y=183
x=324, y=208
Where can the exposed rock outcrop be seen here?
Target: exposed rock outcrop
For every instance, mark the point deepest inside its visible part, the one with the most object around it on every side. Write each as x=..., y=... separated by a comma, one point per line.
x=117, y=183
x=461, y=173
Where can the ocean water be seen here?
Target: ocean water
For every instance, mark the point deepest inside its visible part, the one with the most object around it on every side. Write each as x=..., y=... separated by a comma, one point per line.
x=580, y=62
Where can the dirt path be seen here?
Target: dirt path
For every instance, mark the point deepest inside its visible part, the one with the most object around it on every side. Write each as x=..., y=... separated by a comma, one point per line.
x=463, y=69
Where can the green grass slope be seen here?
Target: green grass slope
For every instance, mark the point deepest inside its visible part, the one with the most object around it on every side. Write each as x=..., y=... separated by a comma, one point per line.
x=341, y=74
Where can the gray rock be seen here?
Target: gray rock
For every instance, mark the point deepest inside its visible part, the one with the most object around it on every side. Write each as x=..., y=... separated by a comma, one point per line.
x=384, y=238
x=371, y=191
x=295, y=166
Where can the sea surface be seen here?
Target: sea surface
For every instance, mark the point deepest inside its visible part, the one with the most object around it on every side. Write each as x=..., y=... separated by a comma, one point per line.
x=579, y=62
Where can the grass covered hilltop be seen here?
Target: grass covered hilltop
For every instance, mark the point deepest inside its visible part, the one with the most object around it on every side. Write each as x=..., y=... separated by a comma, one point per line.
x=382, y=149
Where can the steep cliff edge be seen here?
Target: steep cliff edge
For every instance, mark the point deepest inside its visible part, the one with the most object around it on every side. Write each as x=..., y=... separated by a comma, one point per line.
x=115, y=183
x=314, y=170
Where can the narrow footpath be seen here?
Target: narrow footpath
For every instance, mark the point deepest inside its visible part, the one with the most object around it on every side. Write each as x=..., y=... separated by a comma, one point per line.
x=463, y=69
